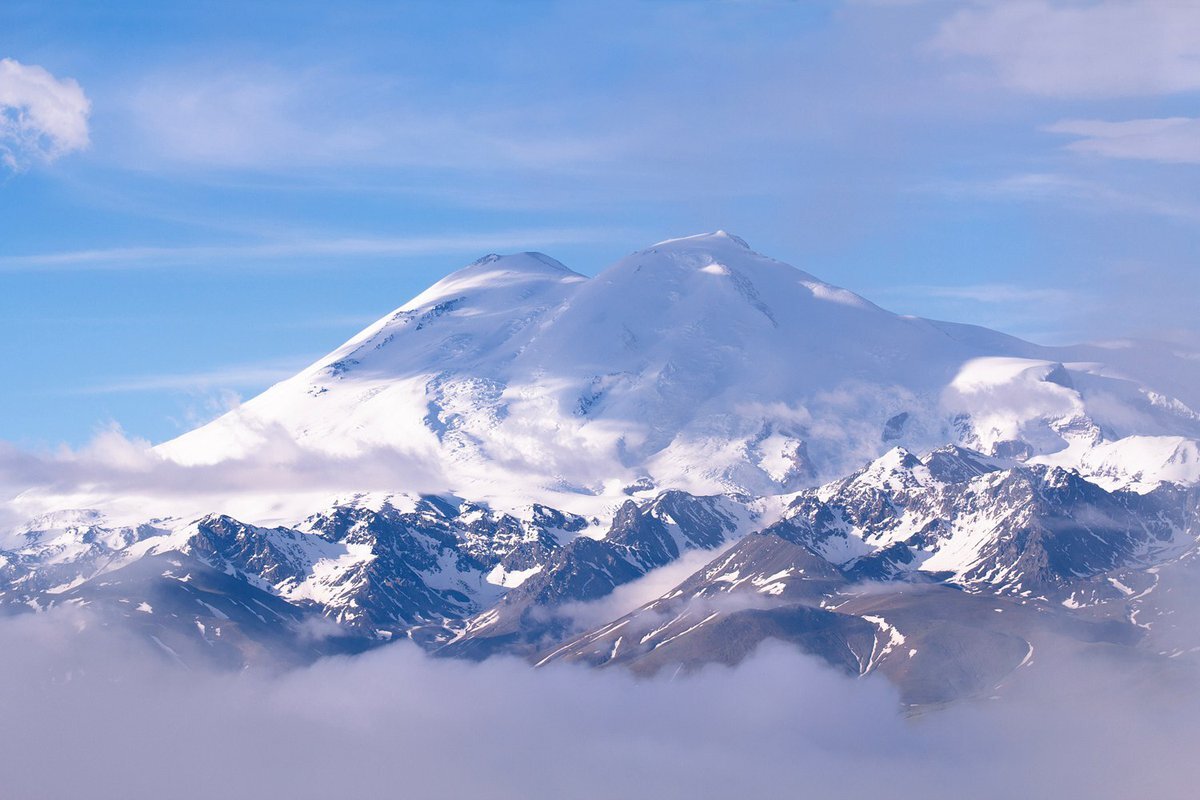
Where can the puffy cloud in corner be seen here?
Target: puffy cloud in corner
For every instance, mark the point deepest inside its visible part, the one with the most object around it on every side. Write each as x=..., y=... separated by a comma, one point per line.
x=1174, y=140
x=41, y=117
x=1107, y=49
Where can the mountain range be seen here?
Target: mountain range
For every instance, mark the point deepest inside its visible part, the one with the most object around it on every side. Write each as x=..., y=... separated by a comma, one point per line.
x=698, y=449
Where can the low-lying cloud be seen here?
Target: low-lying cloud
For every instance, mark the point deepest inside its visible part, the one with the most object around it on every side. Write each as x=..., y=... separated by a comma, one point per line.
x=95, y=713
x=122, y=475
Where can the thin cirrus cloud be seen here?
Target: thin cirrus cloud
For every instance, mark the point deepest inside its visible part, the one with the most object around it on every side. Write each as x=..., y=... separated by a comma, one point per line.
x=998, y=293
x=1015, y=309
x=1172, y=140
x=238, y=375
x=1117, y=48
x=1069, y=191
x=41, y=117
x=265, y=118
x=340, y=247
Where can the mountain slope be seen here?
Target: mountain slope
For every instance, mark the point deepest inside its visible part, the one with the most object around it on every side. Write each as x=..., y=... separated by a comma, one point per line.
x=945, y=573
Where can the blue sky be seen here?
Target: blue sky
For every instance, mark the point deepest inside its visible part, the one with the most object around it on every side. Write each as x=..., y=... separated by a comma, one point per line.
x=198, y=199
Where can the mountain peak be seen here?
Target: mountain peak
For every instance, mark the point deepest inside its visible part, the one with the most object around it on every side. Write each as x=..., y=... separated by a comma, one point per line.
x=527, y=261
x=718, y=237
x=697, y=363
x=716, y=253
x=496, y=271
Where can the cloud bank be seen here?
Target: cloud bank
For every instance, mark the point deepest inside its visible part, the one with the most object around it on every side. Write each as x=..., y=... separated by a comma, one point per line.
x=128, y=480
x=395, y=722
x=41, y=117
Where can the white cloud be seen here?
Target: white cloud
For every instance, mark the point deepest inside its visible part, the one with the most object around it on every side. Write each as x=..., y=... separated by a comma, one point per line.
x=1105, y=49
x=1040, y=314
x=337, y=247
x=395, y=722
x=260, y=117
x=998, y=293
x=128, y=479
x=237, y=375
x=41, y=117
x=208, y=404
x=1171, y=139
x=1086, y=194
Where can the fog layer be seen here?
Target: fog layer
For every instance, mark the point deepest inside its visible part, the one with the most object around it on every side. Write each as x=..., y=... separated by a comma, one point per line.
x=90, y=712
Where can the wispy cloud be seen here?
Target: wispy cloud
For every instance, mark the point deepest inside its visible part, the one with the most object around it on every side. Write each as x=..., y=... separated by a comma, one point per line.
x=1043, y=314
x=233, y=376
x=41, y=117
x=262, y=117
x=995, y=293
x=1112, y=48
x=356, y=321
x=1061, y=188
x=1170, y=140
x=343, y=247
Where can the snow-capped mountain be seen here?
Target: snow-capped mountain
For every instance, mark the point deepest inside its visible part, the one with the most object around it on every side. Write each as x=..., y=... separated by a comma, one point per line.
x=542, y=440
x=695, y=364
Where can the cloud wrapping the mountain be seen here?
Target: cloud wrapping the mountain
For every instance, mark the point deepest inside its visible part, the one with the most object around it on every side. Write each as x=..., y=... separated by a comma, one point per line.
x=41, y=117
x=398, y=722
x=119, y=474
